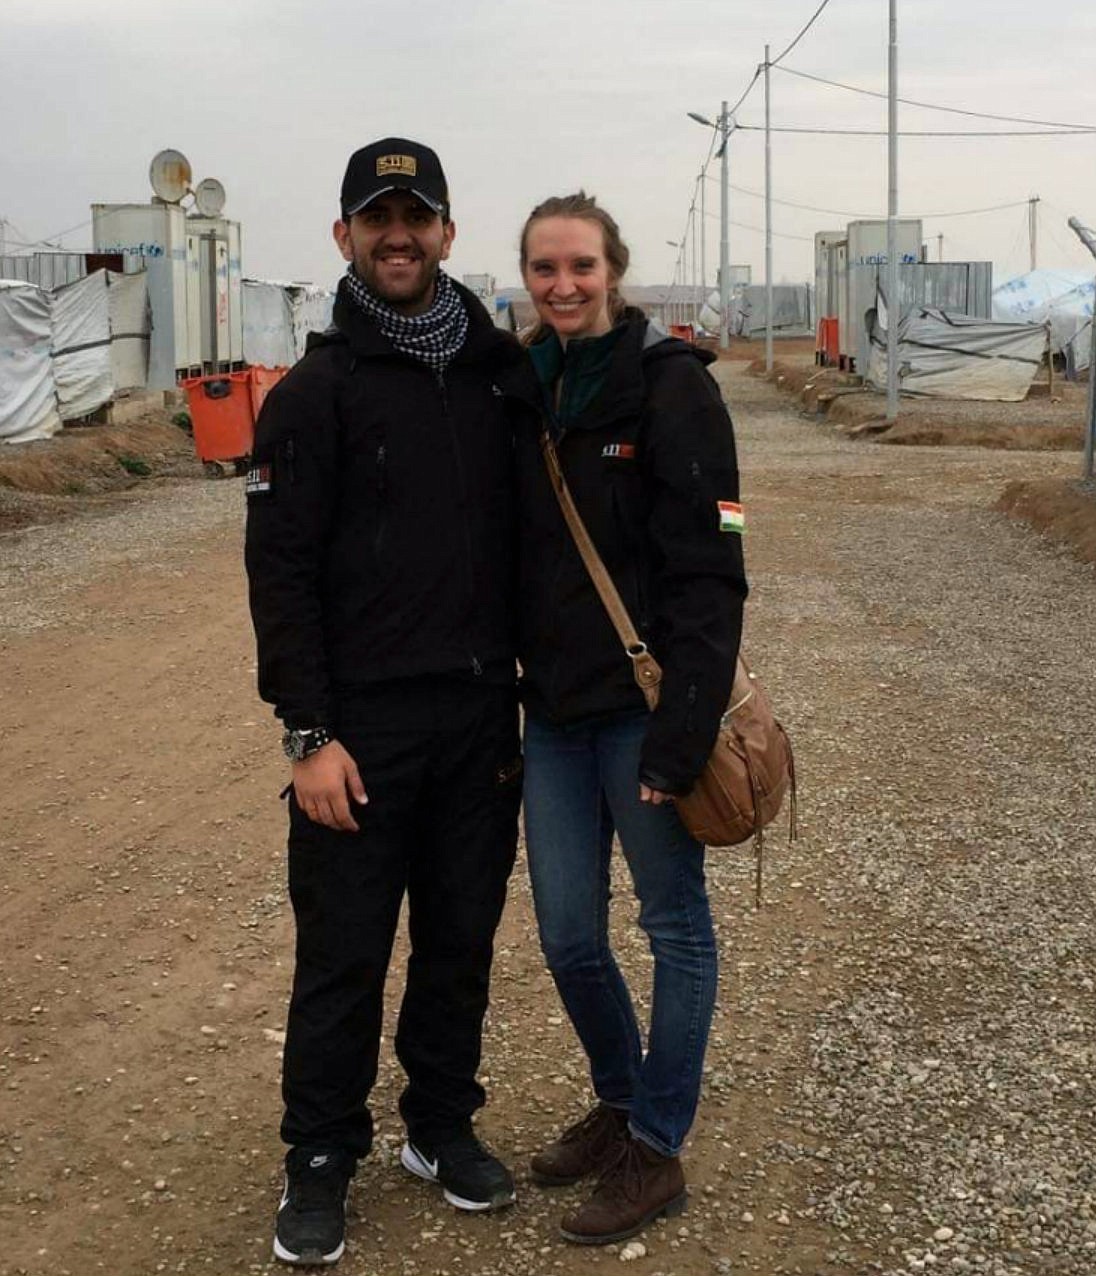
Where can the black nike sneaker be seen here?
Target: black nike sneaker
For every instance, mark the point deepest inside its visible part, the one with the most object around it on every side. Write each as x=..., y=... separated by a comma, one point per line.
x=311, y=1223
x=470, y=1177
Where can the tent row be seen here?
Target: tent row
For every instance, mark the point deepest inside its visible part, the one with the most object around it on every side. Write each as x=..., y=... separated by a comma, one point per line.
x=67, y=351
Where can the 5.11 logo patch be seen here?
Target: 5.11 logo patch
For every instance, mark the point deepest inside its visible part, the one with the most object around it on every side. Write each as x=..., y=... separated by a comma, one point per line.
x=260, y=480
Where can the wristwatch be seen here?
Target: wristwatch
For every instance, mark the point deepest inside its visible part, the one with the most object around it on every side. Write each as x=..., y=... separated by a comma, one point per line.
x=300, y=744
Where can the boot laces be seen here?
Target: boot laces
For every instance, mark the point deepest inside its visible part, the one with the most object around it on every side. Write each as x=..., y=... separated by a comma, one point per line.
x=622, y=1178
x=593, y=1123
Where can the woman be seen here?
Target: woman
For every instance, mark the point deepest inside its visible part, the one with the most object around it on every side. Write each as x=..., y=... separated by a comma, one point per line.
x=647, y=449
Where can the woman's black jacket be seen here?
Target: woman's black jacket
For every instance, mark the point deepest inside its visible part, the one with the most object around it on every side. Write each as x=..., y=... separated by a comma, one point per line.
x=647, y=461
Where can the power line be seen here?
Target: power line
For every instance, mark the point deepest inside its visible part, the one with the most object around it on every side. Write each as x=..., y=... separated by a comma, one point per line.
x=746, y=93
x=932, y=106
x=806, y=239
x=846, y=212
x=814, y=18
x=868, y=132
x=47, y=241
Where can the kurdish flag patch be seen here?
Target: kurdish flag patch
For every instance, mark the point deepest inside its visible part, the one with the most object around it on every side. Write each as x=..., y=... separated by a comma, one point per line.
x=731, y=517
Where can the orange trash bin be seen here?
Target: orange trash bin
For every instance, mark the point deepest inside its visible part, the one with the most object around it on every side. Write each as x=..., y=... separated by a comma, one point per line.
x=263, y=380
x=221, y=414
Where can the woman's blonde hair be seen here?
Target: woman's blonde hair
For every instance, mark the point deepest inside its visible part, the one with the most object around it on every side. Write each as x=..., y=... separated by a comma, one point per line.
x=586, y=208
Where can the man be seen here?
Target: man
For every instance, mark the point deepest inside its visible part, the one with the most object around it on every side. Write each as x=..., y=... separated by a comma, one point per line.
x=379, y=554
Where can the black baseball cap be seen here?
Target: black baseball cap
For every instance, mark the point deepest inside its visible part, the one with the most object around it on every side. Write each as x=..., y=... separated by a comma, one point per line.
x=394, y=163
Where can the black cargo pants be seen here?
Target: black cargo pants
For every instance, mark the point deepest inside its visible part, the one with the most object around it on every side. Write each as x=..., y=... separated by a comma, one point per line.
x=440, y=761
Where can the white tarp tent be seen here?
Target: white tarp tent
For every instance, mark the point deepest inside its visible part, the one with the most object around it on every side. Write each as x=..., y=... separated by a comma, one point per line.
x=1062, y=298
x=130, y=328
x=312, y=308
x=951, y=356
x=1080, y=349
x=268, y=324
x=278, y=318
x=81, y=346
x=28, y=403
x=791, y=310
x=748, y=309
x=99, y=340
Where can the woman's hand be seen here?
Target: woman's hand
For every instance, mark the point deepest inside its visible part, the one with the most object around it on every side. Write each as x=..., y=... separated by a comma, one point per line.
x=655, y=796
x=324, y=782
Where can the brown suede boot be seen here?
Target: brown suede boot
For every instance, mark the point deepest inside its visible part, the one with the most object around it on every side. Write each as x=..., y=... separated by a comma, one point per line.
x=587, y=1147
x=640, y=1185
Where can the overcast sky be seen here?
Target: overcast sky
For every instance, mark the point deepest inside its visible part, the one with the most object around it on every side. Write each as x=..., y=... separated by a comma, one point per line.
x=526, y=98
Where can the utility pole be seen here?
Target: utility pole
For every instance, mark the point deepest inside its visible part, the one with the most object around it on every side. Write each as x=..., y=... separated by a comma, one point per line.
x=768, y=222
x=724, y=126
x=703, y=239
x=692, y=241
x=894, y=309
x=1088, y=238
x=940, y=242
x=1033, y=230
x=724, y=229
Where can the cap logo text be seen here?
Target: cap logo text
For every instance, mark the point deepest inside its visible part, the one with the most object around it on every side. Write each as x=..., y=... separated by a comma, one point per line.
x=403, y=165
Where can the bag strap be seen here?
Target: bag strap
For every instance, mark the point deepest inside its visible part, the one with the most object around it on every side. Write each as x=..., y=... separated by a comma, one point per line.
x=645, y=668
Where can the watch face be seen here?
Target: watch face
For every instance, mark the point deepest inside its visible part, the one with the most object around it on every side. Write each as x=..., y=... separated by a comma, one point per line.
x=293, y=744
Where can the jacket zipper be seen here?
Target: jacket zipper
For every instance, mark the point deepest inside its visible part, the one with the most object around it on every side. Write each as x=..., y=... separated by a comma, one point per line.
x=382, y=492
x=477, y=667
x=632, y=542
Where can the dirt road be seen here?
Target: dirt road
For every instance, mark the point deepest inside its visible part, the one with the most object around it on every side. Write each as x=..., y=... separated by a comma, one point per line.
x=901, y=1077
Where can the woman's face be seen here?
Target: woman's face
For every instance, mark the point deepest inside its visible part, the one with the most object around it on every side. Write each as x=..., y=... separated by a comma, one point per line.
x=568, y=276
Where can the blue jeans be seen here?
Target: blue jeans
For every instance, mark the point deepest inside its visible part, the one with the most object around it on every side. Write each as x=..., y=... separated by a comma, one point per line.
x=581, y=783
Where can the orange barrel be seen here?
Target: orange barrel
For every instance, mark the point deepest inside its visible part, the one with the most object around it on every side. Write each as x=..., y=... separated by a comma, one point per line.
x=263, y=380
x=682, y=330
x=220, y=411
x=832, y=340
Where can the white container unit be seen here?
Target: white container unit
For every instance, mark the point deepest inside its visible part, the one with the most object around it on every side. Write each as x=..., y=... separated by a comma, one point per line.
x=221, y=291
x=154, y=237
x=825, y=293
x=866, y=264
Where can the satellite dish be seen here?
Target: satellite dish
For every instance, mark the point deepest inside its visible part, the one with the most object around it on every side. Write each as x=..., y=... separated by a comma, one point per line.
x=209, y=197
x=169, y=174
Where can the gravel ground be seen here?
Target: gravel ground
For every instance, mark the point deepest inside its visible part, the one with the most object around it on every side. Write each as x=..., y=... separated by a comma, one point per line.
x=900, y=1078
x=44, y=565
x=940, y=667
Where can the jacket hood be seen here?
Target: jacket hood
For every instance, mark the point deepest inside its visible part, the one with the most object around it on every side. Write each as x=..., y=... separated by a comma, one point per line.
x=644, y=343
x=658, y=344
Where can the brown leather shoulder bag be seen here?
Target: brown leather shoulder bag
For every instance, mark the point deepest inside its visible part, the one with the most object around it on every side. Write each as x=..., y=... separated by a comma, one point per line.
x=751, y=768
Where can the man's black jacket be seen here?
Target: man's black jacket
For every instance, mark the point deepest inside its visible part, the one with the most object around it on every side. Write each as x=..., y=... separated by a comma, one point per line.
x=648, y=460
x=380, y=528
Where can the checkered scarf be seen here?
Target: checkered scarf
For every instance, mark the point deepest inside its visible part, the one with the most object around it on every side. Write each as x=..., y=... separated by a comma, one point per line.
x=434, y=337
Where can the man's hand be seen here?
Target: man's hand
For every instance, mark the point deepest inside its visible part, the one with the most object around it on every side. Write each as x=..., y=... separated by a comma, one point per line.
x=655, y=796
x=324, y=783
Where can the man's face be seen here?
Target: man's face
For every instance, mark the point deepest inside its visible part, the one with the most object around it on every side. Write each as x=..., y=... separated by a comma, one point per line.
x=396, y=243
